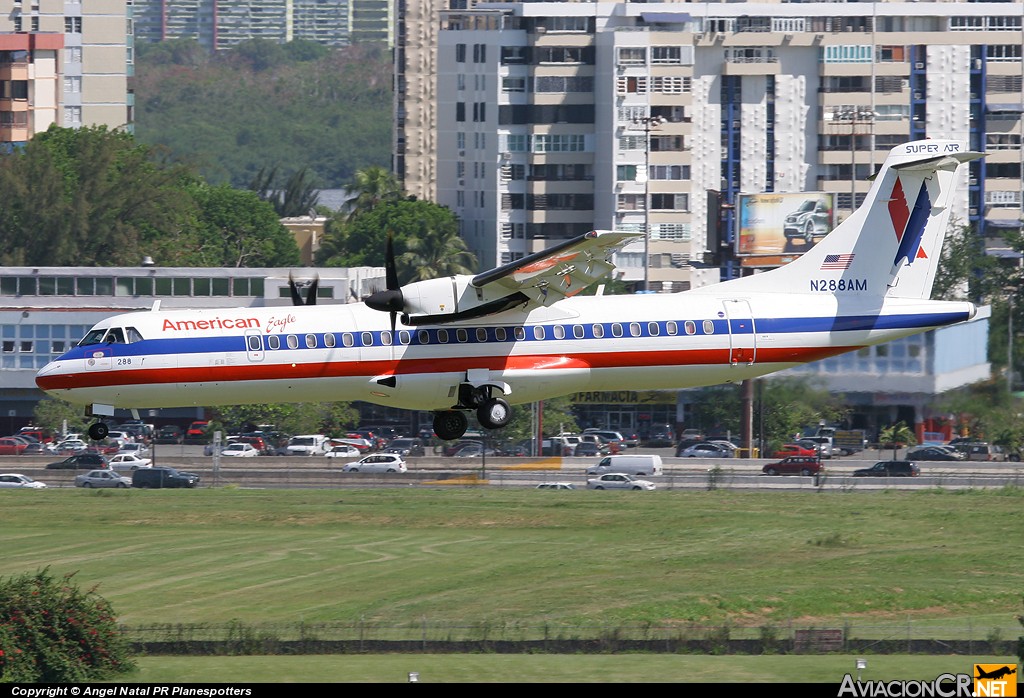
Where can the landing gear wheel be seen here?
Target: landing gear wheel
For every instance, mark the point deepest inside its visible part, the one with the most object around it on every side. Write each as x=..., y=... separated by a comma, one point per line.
x=494, y=413
x=450, y=424
x=98, y=431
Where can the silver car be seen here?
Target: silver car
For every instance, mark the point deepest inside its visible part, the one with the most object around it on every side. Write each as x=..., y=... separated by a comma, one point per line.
x=17, y=481
x=102, y=478
x=378, y=463
x=619, y=481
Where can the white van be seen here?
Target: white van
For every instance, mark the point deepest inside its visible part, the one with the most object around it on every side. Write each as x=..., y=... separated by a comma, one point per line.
x=629, y=465
x=308, y=445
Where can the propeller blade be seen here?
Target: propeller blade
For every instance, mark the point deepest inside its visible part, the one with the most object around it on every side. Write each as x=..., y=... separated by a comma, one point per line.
x=391, y=271
x=391, y=299
x=294, y=289
x=311, y=292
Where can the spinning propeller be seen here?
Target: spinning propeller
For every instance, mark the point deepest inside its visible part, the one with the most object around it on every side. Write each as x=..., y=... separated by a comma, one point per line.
x=310, y=293
x=391, y=299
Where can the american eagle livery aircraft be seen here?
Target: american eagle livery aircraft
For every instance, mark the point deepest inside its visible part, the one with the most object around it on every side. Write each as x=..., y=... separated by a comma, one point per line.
x=519, y=333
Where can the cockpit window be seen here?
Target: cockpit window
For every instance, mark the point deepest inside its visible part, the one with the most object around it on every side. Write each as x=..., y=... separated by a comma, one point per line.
x=92, y=337
x=115, y=335
x=133, y=335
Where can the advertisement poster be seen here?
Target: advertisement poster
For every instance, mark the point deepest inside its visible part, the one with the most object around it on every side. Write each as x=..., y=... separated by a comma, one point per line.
x=783, y=224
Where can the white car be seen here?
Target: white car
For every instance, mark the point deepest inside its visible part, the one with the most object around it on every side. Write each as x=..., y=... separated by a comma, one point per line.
x=128, y=461
x=15, y=481
x=71, y=446
x=102, y=478
x=135, y=449
x=343, y=451
x=377, y=463
x=240, y=449
x=619, y=481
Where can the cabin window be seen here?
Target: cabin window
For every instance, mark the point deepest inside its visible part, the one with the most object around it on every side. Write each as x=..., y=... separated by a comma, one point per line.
x=500, y=334
x=616, y=329
x=634, y=329
x=405, y=337
x=423, y=337
x=577, y=331
x=709, y=327
x=538, y=332
x=671, y=328
x=690, y=327
x=558, y=331
x=385, y=338
x=481, y=334
x=598, y=331
x=367, y=339
x=462, y=335
x=311, y=341
x=254, y=342
x=274, y=342
x=329, y=340
x=520, y=333
x=293, y=342
x=442, y=336
x=653, y=329
x=347, y=339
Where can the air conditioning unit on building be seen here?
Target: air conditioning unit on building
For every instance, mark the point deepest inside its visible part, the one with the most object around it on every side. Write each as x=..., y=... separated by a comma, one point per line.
x=919, y=66
x=462, y=153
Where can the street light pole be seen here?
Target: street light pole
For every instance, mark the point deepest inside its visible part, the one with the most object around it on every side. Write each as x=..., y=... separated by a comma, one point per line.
x=648, y=123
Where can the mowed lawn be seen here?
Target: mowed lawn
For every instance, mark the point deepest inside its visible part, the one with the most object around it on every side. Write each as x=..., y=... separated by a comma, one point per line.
x=478, y=555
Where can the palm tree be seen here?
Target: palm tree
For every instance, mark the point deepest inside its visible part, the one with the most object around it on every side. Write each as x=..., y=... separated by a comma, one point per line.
x=369, y=187
x=435, y=252
x=896, y=434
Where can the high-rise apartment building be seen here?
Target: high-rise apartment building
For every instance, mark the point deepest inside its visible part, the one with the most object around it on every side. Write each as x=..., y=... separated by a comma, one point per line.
x=218, y=24
x=64, y=63
x=538, y=121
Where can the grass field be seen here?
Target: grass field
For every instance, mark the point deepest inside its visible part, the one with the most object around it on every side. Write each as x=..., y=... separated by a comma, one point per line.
x=475, y=556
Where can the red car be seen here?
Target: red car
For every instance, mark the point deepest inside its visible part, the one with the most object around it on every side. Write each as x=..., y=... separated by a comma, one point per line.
x=787, y=450
x=794, y=465
x=11, y=447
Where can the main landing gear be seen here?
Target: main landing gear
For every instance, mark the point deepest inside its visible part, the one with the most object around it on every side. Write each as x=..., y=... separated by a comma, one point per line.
x=491, y=412
x=98, y=431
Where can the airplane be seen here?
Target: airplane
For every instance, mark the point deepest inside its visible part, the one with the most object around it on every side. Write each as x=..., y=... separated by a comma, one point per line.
x=520, y=333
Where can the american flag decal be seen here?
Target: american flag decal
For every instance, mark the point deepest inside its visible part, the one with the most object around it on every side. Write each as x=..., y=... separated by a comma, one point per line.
x=837, y=261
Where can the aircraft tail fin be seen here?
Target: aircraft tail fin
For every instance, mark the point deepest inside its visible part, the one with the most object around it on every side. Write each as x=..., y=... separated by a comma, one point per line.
x=891, y=245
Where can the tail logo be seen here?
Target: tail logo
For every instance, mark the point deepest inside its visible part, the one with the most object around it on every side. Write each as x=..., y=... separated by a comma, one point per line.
x=909, y=224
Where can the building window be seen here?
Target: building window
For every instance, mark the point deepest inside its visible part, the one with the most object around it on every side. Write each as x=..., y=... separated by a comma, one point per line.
x=72, y=25
x=460, y=53
x=633, y=55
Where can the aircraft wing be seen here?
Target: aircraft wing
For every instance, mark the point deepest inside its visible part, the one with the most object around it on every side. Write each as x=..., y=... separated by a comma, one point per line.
x=560, y=271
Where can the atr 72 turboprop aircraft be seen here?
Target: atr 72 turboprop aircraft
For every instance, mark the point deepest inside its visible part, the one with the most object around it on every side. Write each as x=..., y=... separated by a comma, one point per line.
x=519, y=333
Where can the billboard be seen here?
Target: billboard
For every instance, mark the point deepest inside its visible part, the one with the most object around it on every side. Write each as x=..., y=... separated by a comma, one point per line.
x=783, y=224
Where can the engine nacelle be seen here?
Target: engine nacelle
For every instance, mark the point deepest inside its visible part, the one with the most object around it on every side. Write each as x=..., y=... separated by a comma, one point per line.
x=452, y=298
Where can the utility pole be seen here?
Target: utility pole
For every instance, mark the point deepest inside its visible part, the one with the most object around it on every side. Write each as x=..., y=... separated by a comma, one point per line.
x=649, y=123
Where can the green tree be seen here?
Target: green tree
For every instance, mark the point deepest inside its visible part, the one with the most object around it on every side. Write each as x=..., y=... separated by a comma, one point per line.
x=331, y=418
x=299, y=196
x=363, y=240
x=369, y=188
x=53, y=414
x=436, y=250
x=896, y=434
x=52, y=632
x=90, y=196
x=237, y=229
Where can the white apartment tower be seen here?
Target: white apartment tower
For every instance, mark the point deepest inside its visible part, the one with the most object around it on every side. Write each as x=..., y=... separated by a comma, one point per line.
x=540, y=121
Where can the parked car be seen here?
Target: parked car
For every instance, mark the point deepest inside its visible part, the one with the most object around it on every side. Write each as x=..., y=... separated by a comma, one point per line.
x=135, y=449
x=794, y=465
x=102, y=478
x=168, y=434
x=343, y=451
x=81, y=461
x=239, y=449
x=982, y=451
x=587, y=449
x=660, y=437
x=377, y=463
x=640, y=465
x=890, y=468
x=705, y=449
x=610, y=436
x=163, y=477
x=936, y=453
x=618, y=481
x=475, y=450
x=71, y=446
x=39, y=449
x=786, y=450
x=556, y=486
x=128, y=462
x=823, y=444
x=197, y=432
x=406, y=447
x=12, y=447
x=16, y=481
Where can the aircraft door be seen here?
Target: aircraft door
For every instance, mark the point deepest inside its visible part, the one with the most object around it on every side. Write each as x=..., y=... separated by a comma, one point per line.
x=254, y=346
x=742, y=335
